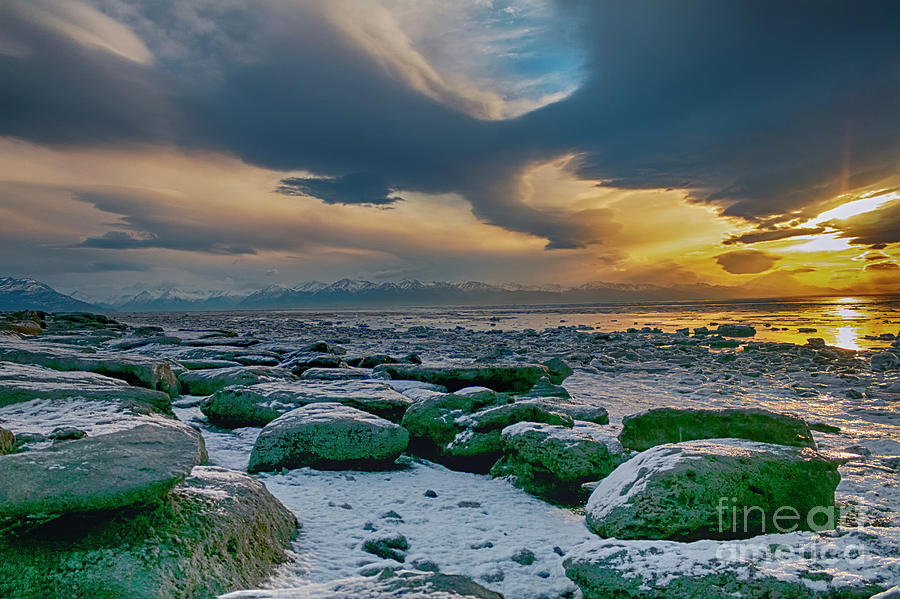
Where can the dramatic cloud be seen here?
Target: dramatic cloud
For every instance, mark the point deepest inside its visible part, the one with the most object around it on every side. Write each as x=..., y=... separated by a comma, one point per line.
x=760, y=115
x=883, y=266
x=741, y=262
x=356, y=188
x=872, y=228
x=671, y=127
x=772, y=235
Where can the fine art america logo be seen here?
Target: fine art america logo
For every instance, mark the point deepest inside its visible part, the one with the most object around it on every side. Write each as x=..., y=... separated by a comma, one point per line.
x=736, y=521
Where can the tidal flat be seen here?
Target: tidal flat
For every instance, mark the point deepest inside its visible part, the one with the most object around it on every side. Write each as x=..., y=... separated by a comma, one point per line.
x=469, y=450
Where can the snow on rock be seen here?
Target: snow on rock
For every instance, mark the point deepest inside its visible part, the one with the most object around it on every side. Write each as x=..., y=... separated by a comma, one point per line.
x=259, y=404
x=690, y=490
x=855, y=562
x=409, y=584
x=328, y=435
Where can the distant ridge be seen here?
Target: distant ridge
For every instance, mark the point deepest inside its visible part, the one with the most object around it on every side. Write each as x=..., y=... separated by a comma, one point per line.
x=411, y=292
x=21, y=294
x=28, y=294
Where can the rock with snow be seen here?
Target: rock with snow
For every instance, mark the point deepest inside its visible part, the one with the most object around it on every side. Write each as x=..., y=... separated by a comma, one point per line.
x=479, y=445
x=736, y=330
x=136, y=370
x=515, y=378
x=215, y=532
x=855, y=562
x=335, y=374
x=558, y=370
x=206, y=382
x=97, y=474
x=672, y=425
x=389, y=584
x=387, y=545
x=462, y=430
x=891, y=593
x=23, y=383
x=257, y=405
x=7, y=442
x=207, y=364
x=544, y=388
x=328, y=436
x=553, y=461
x=300, y=362
x=719, y=489
x=584, y=412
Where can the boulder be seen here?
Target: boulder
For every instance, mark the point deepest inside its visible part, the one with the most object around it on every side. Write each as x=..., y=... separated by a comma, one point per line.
x=97, y=474
x=544, y=388
x=795, y=566
x=672, y=425
x=388, y=585
x=7, y=442
x=558, y=370
x=335, y=374
x=479, y=445
x=720, y=489
x=885, y=360
x=387, y=546
x=736, y=330
x=328, y=436
x=577, y=411
x=553, y=461
x=207, y=364
x=135, y=370
x=206, y=382
x=514, y=378
x=215, y=532
x=258, y=405
x=303, y=361
x=372, y=361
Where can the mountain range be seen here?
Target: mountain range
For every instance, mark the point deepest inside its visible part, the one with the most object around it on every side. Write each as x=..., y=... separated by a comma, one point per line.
x=27, y=293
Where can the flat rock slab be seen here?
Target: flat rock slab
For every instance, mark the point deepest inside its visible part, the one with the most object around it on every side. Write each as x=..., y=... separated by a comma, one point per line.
x=95, y=474
x=409, y=584
x=798, y=565
x=672, y=425
x=721, y=489
x=215, y=532
x=135, y=370
x=258, y=405
x=206, y=382
x=21, y=383
x=514, y=378
x=328, y=436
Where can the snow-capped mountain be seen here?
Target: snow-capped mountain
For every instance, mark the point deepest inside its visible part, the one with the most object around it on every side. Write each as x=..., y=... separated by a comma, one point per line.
x=28, y=294
x=19, y=293
x=160, y=300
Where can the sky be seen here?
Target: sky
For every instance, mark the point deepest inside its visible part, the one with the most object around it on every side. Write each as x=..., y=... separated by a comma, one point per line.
x=220, y=144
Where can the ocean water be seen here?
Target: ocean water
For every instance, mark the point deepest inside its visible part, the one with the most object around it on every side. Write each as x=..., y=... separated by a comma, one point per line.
x=848, y=322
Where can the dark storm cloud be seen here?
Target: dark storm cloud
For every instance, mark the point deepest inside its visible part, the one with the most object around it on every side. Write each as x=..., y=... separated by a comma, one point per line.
x=763, y=108
x=742, y=262
x=883, y=266
x=876, y=228
x=56, y=90
x=772, y=235
x=149, y=223
x=356, y=188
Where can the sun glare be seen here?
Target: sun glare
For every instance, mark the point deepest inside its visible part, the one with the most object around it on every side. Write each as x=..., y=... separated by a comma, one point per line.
x=853, y=208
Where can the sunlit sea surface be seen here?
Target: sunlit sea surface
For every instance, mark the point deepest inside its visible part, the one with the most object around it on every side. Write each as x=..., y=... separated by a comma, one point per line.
x=849, y=322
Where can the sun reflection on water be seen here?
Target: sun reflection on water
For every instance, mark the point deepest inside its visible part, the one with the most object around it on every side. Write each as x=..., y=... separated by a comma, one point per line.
x=847, y=337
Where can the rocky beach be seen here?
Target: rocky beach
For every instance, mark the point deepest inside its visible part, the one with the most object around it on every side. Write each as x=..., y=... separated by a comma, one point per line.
x=294, y=455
